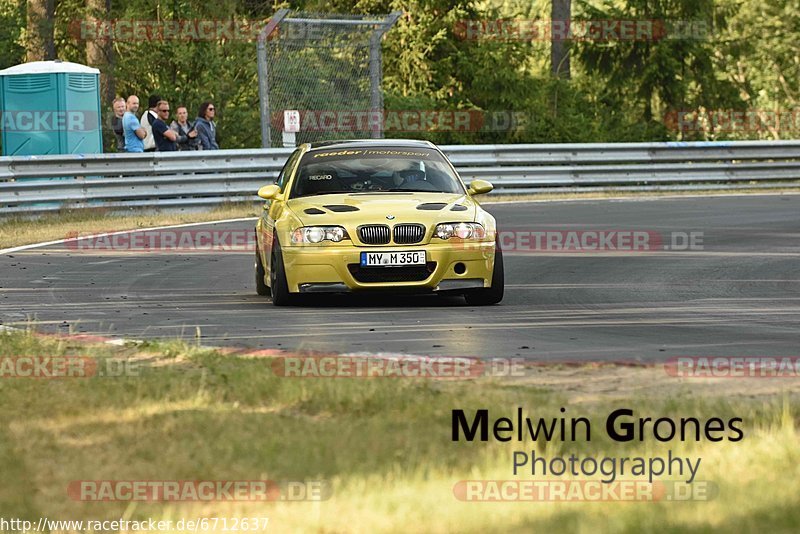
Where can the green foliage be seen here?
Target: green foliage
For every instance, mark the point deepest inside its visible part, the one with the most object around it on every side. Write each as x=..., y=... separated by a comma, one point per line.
x=760, y=55
x=660, y=75
x=715, y=62
x=620, y=90
x=12, y=24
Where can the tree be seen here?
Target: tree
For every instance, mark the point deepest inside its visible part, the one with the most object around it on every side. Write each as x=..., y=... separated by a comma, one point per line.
x=759, y=53
x=12, y=24
x=665, y=71
x=40, y=44
x=100, y=52
x=561, y=11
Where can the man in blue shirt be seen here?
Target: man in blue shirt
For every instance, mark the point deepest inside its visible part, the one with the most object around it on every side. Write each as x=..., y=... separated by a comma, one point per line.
x=131, y=129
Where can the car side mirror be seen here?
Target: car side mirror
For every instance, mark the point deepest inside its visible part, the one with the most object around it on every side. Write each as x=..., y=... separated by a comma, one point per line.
x=480, y=187
x=269, y=192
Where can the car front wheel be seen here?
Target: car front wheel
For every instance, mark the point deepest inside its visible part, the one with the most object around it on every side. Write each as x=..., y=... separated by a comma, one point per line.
x=494, y=294
x=277, y=278
x=261, y=286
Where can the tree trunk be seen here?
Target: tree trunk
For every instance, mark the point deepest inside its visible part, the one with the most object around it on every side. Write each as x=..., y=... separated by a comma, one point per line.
x=560, y=11
x=111, y=71
x=100, y=52
x=39, y=44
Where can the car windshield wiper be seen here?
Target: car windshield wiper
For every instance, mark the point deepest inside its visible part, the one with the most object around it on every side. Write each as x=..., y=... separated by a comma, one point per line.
x=413, y=191
x=378, y=191
x=320, y=193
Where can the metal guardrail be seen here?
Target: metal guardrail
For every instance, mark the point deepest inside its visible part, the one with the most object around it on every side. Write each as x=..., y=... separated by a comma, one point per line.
x=182, y=180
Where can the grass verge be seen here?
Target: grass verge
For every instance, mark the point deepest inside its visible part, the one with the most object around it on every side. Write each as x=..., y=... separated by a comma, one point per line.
x=24, y=231
x=383, y=447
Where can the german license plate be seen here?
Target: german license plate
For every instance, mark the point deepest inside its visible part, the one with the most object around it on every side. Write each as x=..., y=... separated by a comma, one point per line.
x=392, y=259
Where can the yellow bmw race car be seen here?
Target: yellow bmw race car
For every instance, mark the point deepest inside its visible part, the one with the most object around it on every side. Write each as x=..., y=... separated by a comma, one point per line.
x=375, y=215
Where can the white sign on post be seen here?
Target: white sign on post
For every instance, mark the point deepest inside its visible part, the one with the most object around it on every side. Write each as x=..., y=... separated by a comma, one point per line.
x=291, y=125
x=291, y=121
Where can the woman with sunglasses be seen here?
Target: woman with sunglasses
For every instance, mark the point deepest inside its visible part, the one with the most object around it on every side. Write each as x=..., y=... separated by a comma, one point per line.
x=205, y=126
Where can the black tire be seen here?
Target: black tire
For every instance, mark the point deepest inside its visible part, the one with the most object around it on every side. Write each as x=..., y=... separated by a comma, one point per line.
x=277, y=278
x=261, y=286
x=494, y=294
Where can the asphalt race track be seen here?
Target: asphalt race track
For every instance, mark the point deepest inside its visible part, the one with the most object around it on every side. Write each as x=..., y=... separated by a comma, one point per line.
x=739, y=295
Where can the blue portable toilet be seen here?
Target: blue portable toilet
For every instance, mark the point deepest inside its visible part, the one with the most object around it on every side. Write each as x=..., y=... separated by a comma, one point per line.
x=50, y=107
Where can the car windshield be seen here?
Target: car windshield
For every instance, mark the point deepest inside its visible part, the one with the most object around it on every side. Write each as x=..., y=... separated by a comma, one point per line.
x=374, y=170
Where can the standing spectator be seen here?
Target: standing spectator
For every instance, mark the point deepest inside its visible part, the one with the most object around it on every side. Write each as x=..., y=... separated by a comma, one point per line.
x=187, y=135
x=131, y=129
x=163, y=136
x=148, y=118
x=116, y=122
x=205, y=126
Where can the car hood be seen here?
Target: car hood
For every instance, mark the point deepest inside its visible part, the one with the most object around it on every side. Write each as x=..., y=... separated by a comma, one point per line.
x=353, y=209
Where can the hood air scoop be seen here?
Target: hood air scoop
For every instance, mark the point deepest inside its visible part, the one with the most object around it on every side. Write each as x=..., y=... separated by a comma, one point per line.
x=339, y=208
x=432, y=206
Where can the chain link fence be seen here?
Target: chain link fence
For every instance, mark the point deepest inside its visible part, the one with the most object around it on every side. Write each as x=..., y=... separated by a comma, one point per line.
x=326, y=66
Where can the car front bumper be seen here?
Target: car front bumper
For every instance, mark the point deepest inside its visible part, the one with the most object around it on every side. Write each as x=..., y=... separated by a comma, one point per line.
x=454, y=266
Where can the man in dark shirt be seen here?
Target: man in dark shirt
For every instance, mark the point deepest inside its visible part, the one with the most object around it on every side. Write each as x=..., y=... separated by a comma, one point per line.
x=163, y=136
x=116, y=123
x=187, y=135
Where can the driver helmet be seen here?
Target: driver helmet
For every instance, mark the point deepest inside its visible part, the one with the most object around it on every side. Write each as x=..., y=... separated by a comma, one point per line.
x=412, y=173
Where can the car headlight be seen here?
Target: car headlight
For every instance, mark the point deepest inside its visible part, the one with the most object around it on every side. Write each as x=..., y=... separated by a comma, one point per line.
x=318, y=234
x=461, y=230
